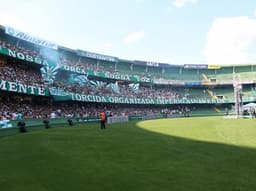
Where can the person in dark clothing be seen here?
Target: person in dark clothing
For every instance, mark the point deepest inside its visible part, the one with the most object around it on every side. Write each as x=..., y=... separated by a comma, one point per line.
x=227, y=111
x=22, y=126
x=102, y=120
x=254, y=113
x=70, y=122
x=46, y=123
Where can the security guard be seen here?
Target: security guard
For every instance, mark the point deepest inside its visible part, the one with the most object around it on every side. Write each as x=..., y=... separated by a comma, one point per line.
x=102, y=120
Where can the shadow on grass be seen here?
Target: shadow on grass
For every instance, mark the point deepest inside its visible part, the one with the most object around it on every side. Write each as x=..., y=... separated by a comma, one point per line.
x=122, y=157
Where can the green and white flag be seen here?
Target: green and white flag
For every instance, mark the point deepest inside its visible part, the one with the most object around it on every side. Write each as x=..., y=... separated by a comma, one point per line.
x=134, y=87
x=49, y=73
x=114, y=87
x=82, y=80
x=95, y=85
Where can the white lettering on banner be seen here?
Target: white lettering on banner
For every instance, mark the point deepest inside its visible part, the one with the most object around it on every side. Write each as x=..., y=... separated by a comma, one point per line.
x=155, y=64
x=107, y=75
x=126, y=100
x=3, y=85
x=150, y=101
x=100, y=57
x=88, y=98
x=117, y=76
x=21, y=35
x=160, y=101
x=144, y=79
x=103, y=99
x=41, y=91
x=12, y=86
x=26, y=57
x=21, y=56
x=72, y=69
x=37, y=60
x=75, y=69
x=72, y=96
x=32, y=89
x=21, y=88
x=131, y=101
x=78, y=97
x=12, y=53
x=117, y=99
x=29, y=58
x=65, y=67
x=111, y=99
x=84, y=98
x=166, y=101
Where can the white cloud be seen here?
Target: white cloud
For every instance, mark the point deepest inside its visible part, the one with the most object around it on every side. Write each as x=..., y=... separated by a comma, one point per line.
x=134, y=37
x=181, y=3
x=229, y=40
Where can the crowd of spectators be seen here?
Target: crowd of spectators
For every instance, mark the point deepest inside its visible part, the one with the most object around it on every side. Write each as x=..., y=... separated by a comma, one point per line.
x=64, y=58
x=124, y=90
x=75, y=61
x=163, y=93
x=12, y=107
x=16, y=72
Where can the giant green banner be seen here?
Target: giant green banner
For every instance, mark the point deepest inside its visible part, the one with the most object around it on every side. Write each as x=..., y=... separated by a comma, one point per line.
x=26, y=57
x=109, y=75
x=60, y=95
x=22, y=88
x=127, y=100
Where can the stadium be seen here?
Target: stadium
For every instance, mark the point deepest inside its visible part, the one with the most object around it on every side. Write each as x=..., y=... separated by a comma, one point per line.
x=169, y=127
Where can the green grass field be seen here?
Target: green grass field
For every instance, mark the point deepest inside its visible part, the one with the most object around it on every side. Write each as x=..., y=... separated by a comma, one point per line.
x=192, y=154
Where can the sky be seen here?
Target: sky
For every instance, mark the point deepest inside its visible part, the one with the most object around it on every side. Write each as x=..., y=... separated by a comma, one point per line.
x=164, y=31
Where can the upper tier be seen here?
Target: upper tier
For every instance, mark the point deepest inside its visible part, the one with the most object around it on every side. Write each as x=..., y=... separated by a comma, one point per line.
x=24, y=46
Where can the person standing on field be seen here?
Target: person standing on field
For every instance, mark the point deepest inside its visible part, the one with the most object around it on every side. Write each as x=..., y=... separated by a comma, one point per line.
x=102, y=120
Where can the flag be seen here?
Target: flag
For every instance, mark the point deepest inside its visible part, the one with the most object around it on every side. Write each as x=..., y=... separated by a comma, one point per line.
x=82, y=80
x=134, y=88
x=96, y=84
x=114, y=87
x=49, y=73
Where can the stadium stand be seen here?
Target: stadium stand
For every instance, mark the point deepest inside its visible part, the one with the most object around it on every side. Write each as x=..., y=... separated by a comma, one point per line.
x=124, y=66
x=14, y=70
x=68, y=83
